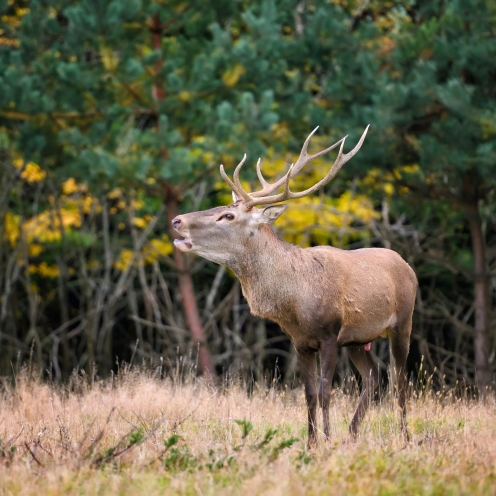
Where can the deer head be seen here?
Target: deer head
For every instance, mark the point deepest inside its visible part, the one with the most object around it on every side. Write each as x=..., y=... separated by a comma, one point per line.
x=221, y=234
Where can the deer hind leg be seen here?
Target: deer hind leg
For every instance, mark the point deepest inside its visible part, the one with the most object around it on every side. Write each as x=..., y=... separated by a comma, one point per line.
x=307, y=361
x=328, y=356
x=400, y=345
x=362, y=360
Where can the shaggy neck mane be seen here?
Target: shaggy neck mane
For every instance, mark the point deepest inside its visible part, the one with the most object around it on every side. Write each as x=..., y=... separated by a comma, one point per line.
x=266, y=265
x=262, y=252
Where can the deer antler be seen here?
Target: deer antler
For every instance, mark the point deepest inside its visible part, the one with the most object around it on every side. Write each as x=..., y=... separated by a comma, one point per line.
x=264, y=197
x=238, y=190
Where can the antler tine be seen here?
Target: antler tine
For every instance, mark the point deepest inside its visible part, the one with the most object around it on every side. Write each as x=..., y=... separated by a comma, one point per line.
x=353, y=152
x=228, y=181
x=263, y=197
x=338, y=163
x=237, y=182
x=288, y=195
x=309, y=137
x=236, y=187
x=304, y=149
x=239, y=187
x=281, y=196
x=269, y=188
x=288, y=177
x=303, y=159
x=262, y=180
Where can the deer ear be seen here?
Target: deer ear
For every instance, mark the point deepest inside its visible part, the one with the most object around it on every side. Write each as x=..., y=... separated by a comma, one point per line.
x=272, y=213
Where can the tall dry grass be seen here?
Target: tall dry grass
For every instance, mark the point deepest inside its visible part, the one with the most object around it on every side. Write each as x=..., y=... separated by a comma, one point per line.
x=136, y=434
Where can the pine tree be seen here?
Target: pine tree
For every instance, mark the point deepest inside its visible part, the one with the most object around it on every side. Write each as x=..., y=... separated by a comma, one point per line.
x=431, y=103
x=138, y=95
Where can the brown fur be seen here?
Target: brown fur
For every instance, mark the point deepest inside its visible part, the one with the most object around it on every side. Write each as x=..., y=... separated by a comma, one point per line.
x=322, y=297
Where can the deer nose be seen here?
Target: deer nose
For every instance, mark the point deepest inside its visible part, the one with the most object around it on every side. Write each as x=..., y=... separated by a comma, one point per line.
x=176, y=223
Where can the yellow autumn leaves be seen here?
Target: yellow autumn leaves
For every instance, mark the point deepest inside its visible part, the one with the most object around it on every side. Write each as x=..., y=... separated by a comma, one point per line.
x=232, y=75
x=151, y=252
x=30, y=172
x=48, y=225
x=13, y=22
x=385, y=181
x=65, y=215
x=315, y=219
x=325, y=219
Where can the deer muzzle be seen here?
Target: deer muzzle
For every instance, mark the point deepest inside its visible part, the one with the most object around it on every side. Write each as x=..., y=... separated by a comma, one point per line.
x=184, y=244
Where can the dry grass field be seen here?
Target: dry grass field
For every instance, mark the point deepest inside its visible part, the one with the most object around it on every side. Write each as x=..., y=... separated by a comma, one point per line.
x=138, y=435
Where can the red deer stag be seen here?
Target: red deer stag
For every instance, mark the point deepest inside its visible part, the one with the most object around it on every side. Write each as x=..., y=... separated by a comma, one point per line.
x=322, y=297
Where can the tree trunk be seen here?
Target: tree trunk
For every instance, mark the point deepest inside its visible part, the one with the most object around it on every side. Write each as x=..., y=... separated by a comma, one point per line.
x=481, y=286
x=186, y=288
x=205, y=364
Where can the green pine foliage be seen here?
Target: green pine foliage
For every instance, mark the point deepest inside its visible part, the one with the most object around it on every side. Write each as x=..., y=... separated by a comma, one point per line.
x=105, y=105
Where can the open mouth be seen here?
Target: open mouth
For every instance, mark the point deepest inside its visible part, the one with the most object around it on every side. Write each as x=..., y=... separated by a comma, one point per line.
x=183, y=244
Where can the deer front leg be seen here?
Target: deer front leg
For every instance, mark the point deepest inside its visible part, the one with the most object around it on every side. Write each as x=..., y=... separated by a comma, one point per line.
x=308, y=368
x=328, y=357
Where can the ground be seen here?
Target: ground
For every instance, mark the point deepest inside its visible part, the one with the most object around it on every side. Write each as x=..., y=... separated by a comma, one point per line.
x=137, y=434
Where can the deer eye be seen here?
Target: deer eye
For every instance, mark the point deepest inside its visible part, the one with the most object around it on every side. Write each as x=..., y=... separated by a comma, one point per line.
x=226, y=216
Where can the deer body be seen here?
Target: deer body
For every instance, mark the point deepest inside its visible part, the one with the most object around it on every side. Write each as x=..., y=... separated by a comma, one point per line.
x=313, y=293
x=322, y=297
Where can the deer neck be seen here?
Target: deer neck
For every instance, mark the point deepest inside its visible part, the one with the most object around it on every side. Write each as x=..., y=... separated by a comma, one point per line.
x=266, y=270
